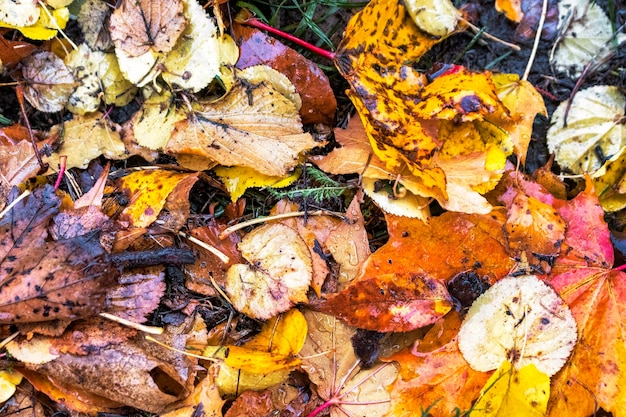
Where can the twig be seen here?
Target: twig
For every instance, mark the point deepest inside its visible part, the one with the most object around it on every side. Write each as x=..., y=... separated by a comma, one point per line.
x=489, y=36
x=258, y=220
x=62, y=167
x=533, y=53
x=19, y=92
x=132, y=324
x=14, y=202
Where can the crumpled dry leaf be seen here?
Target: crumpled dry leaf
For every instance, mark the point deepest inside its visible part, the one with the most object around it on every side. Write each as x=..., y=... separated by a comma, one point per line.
x=252, y=126
x=329, y=360
x=593, y=130
x=512, y=392
x=278, y=276
x=86, y=138
x=521, y=320
x=64, y=279
x=589, y=36
x=49, y=83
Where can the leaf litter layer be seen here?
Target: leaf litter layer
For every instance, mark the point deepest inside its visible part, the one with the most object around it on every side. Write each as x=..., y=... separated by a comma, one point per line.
x=183, y=126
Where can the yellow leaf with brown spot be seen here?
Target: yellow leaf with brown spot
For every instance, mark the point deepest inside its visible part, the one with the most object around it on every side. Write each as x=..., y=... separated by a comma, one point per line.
x=147, y=191
x=524, y=103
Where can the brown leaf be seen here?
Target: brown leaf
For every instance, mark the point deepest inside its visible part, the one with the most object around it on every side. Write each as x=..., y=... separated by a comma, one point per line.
x=136, y=372
x=318, y=101
x=138, y=26
x=49, y=82
x=138, y=293
x=12, y=52
x=41, y=281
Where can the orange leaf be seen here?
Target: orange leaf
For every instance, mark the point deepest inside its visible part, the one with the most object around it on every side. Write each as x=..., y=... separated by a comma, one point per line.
x=396, y=292
x=512, y=9
x=434, y=374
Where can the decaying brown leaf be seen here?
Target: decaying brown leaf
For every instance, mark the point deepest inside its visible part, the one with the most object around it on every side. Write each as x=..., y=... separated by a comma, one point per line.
x=49, y=82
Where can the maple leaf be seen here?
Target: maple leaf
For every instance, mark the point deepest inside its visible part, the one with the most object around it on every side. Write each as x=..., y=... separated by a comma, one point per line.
x=434, y=376
x=583, y=277
x=395, y=292
x=329, y=360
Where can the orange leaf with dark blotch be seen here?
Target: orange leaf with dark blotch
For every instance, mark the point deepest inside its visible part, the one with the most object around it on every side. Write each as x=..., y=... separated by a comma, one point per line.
x=401, y=292
x=535, y=229
x=83, y=337
x=147, y=191
x=397, y=302
x=434, y=373
x=256, y=48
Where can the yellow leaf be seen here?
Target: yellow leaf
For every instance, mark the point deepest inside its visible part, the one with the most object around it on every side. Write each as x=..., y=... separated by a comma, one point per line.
x=147, y=191
x=524, y=103
x=233, y=381
x=239, y=179
x=8, y=382
x=273, y=349
x=514, y=393
x=46, y=26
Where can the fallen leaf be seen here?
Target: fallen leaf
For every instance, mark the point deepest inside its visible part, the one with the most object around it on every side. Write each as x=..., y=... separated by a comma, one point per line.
x=524, y=103
x=582, y=275
x=330, y=362
x=588, y=37
x=147, y=192
x=137, y=372
x=93, y=19
x=512, y=9
x=238, y=179
x=592, y=130
x=8, y=381
x=259, y=73
x=137, y=294
x=278, y=274
x=45, y=27
x=20, y=12
x=252, y=126
x=521, y=320
x=196, y=59
x=138, y=27
x=412, y=289
x=12, y=51
x=86, y=138
x=318, y=101
x=204, y=400
x=48, y=81
x=64, y=279
x=434, y=375
x=610, y=182
x=535, y=230
x=515, y=392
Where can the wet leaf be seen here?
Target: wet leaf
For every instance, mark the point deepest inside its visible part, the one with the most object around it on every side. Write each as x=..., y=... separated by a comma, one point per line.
x=592, y=131
x=588, y=36
x=278, y=274
x=45, y=27
x=48, y=81
x=204, y=399
x=329, y=360
x=8, y=381
x=318, y=101
x=12, y=52
x=515, y=392
x=238, y=179
x=512, y=9
x=412, y=289
x=93, y=21
x=85, y=138
x=521, y=320
x=64, y=279
x=252, y=126
x=434, y=375
x=147, y=191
